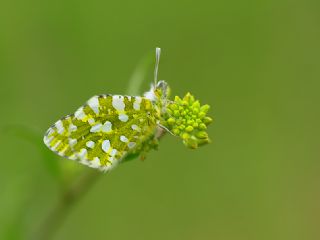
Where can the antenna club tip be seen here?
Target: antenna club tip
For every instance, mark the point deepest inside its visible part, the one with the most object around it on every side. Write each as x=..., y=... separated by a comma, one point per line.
x=158, y=50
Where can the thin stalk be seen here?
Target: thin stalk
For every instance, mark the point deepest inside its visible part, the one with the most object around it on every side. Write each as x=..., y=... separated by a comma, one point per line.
x=68, y=199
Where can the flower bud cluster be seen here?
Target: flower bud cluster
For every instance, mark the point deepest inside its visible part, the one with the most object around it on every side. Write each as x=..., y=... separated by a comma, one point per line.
x=187, y=119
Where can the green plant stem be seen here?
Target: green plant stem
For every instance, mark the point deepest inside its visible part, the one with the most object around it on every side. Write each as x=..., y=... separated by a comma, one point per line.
x=68, y=199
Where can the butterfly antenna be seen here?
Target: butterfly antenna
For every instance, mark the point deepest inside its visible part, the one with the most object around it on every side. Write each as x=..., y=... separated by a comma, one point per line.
x=158, y=51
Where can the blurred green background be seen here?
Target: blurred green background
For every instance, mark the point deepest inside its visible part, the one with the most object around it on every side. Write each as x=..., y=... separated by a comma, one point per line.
x=255, y=62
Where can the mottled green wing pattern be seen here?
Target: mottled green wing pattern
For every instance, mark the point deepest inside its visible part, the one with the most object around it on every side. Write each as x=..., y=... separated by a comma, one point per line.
x=101, y=132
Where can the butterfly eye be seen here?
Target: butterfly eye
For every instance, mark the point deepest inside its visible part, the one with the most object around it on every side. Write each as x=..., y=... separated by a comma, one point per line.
x=162, y=89
x=162, y=84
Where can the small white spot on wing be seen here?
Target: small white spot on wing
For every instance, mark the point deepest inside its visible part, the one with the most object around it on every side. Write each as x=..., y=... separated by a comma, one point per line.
x=113, y=152
x=123, y=117
x=72, y=127
x=91, y=121
x=47, y=140
x=83, y=153
x=131, y=144
x=123, y=138
x=50, y=131
x=94, y=104
x=72, y=142
x=72, y=157
x=136, y=104
x=95, y=163
x=150, y=95
x=96, y=128
x=79, y=114
x=105, y=145
x=135, y=127
x=84, y=161
x=54, y=148
x=117, y=102
x=59, y=126
x=107, y=127
x=90, y=144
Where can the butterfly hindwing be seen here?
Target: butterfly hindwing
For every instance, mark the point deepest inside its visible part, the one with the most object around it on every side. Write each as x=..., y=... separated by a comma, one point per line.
x=101, y=132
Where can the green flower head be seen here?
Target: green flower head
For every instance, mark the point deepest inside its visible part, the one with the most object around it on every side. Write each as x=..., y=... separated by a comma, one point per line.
x=187, y=119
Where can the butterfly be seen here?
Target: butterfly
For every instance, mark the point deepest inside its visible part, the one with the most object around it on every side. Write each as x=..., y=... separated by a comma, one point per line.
x=107, y=128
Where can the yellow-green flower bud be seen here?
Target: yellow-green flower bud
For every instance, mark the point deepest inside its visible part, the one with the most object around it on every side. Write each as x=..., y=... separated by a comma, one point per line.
x=173, y=106
x=202, y=126
x=188, y=97
x=176, y=113
x=201, y=115
x=196, y=104
x=195, y=111
x=202, y=134
x=189, y=129
x=207, y=120
x=185, y=136
x=176, y=131
x=187, y=119
x=191, y=143
x=205, y=108
x=202, y=142
x=182, y=127
x=190, y=122
x=185, y=103
x=177, y=99
x=171, y=121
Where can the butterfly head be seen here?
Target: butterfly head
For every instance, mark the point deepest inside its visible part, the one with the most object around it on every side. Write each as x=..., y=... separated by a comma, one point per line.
x=159, y=92
x=162, y=90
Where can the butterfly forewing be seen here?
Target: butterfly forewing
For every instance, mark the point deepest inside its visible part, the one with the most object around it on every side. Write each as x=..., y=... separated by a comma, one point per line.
x=101, y=132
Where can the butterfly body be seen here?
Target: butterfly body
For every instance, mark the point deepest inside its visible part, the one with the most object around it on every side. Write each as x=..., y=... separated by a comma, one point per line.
x=108, y=127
